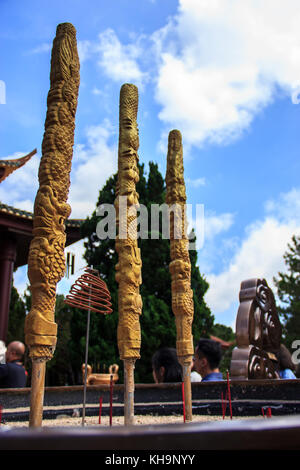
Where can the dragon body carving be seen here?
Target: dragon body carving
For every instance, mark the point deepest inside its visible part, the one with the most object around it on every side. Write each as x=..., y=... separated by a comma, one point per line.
x=46, y=261
x=129, y=266
x=180, y=266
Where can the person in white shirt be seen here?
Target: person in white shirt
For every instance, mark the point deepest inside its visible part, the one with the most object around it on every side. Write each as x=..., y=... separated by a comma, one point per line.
x=195, y=376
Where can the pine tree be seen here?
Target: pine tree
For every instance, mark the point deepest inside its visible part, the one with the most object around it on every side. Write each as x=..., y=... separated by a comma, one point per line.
x=59, y=370
x=16, y=318
x=288, y=289
x=157, y=319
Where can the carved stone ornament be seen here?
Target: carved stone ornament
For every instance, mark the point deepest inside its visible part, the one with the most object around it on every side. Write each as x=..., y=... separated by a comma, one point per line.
x=46, y=261
x=258, y=333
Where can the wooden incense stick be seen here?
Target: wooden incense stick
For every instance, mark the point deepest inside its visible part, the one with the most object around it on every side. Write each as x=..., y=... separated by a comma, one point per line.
x=100, y=408
x=180, y=266
x=229, y=395
x=111, y=400
x=128, y=269
x=46, y=260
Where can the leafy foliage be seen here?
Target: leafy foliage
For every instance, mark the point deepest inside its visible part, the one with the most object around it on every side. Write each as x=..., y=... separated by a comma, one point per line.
x=224, y=332
x=288, y=289
x=59, y=370
x=17, y=315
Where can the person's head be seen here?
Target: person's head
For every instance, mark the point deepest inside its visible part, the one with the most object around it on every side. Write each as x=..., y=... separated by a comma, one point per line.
x=208, y=356
x=284, y=358
x=15, y=351
x=166, y=367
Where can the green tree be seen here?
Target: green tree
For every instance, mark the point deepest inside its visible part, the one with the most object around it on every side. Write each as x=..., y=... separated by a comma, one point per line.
x=223, y=332
x=17, y=315
x=59, y=369
x=226, y=334
x=288, y=290
x=18, y=308
x=157, y=320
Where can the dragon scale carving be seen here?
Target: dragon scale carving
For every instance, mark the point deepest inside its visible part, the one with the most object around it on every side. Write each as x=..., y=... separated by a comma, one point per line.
x=128, y=268
x=46, y=261
x=180, y=266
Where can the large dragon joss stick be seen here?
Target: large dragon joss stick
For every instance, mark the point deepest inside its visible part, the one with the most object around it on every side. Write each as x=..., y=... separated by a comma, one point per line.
x=46, y=261
x=128, y=269
x=180, y=266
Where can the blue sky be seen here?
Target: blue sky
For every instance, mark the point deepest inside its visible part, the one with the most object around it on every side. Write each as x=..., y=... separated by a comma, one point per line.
x=225, y=73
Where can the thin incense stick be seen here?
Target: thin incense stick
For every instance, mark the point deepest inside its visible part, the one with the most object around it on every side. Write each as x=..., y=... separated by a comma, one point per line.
x=86, y=359
x=183, y=401
x=229, y=395
x=100, y=408
x=111, y=399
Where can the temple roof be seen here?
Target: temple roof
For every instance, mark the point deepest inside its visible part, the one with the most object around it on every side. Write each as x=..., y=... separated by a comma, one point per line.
x=5, y=209
x=18, y=224
x=224, y=344
x=8, y=166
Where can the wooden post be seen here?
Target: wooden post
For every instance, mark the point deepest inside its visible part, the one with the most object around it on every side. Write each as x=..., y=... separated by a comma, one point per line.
x=129, y=391
x=37, y=393
x=186, y=373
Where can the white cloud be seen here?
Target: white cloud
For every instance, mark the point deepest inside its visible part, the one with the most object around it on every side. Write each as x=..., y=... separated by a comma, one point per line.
x=93, y=163
x=207, y=225
x=220, y=63
x=286, y=207
x=77, y=249
x=21, y=281
x=260, y=254
x=41, y=48
x=196, y=183
x=84, y=50
x=96, y=91
x=215, y=224
x=20, y=187
x=20, y=278
x=120, y=61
